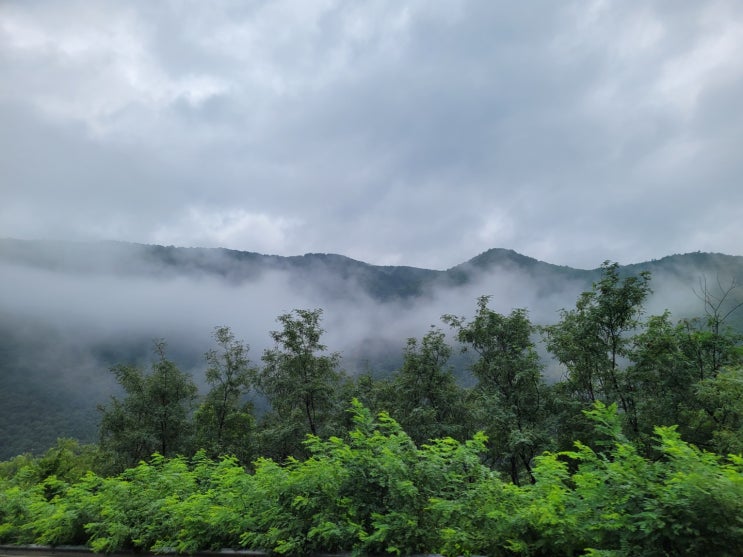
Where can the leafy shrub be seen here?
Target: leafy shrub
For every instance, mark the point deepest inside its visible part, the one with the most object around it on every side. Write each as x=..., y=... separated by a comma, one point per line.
x=376, y=492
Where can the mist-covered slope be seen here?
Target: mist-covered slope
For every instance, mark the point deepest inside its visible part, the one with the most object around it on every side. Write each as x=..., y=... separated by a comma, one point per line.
x=231, y=266
x=69, y=311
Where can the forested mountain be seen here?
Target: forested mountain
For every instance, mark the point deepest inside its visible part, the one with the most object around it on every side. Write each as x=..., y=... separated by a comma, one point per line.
x=382, y=283
x=70, y=311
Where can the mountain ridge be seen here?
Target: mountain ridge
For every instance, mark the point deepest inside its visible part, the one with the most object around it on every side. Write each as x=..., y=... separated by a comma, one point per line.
x=381, y=282
x=7, y=245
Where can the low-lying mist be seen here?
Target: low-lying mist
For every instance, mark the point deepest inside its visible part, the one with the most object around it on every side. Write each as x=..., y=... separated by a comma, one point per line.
x=65, y=326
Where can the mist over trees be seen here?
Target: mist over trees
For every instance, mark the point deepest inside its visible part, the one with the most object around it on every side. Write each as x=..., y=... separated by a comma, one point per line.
x=289, y=454
x=282, y=450
x=70, y=311
x=656, y=372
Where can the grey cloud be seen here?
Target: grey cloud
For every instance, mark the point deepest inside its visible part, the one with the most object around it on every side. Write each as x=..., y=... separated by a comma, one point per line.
x=416, y=134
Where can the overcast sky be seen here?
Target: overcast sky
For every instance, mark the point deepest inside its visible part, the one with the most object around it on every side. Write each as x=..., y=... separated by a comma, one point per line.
x=417, y=133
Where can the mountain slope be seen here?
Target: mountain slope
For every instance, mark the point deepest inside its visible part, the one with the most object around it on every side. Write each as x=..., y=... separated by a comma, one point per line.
x=69, y=311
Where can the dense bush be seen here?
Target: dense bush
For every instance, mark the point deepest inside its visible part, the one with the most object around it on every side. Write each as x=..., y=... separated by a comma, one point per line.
x=376, y=492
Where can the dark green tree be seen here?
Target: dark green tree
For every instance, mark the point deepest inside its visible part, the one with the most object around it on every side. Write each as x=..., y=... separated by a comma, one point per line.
x=721, y=400
x=662, y=376
x=674, y=370
x=594, y=340
x=300, y=381
x=153, y=416
x=424, y=396
x=224, y=421
x=510, y=398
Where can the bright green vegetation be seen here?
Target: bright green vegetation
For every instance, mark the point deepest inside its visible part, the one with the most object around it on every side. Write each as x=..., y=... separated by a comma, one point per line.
x=374, y=491
x=636, y=451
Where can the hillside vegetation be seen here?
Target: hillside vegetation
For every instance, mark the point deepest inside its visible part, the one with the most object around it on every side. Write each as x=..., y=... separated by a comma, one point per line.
x=70, y=311
x=636, y=450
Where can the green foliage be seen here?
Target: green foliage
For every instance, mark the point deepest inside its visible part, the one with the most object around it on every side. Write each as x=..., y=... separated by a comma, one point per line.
x=129, y=506
x=17, y=503
x=423, y=395
x=615, y=502
x=68, y=461
x=224, y=421
x=685, y=502
x=663, y=377
x=375, y=492
x=510, y=400
x=369, y=493
x=214, y=513
x=721, y=399
x=593, y=342
x=292, y=508
x=684, y=375
x=154, y=416
x=300, y=382
x=62, y=519
x=632, y=484
x=37, y=493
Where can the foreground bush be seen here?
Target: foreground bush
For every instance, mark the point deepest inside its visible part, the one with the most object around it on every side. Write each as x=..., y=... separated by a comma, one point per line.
x=376, y=492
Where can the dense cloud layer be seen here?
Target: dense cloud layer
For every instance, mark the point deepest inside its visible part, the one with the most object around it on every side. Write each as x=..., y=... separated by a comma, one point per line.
x=410, y=133
x=84, y=299
x=90, y=309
